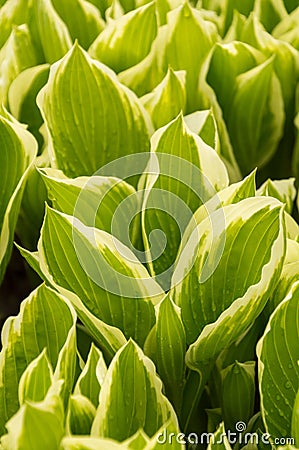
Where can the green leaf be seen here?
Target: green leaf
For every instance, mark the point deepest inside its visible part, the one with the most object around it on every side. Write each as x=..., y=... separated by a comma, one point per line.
x=186, y=34
x=131, y=397
x=286, y=29
x=89, y=443
x=183, y=172
x=243, y=7
x=204, y=124
x=295, y=419
x=106, y=107
x=22, y=97
x=83, y=20
x=16, y=55
x=111, y=283
x=168, y=99
x=81, y=413
x=127, y=40
x=270, y=12
x=37, y=424
x=18, y=149
x=104, y=202
x=92, y=376
x=278, y=366
x=256, y=120
x=13, y=12
x=283, y=190
x=170, y=350
x=45, y=321
x=227, y=62
x=56, y=41
x=36, y=379
x=238, y=393
x=226, y=272
x=32, y=259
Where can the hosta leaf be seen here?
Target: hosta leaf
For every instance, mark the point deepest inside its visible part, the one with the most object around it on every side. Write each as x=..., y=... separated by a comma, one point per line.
x=168, y=99
x=106, y=107
x=92, y=376
x=181, y=176
x=115, y=11
x=170, y=350
x=233, y=193
x=18, y=149
x=83, y=20
x=227, y=62
x=37, y=424
x=289, y=275
x=115, y=287
x=102, y=5
x=126, y=41
x=270, y=12
x=243, y=7
x=295, y=419
x=57, y=41
x=104, y=202
x=204, y=124
x=278, y=355
x=14, y=12
x=22, y=97
x=286, y=29
x=186, y=34
x=255, y=130
x=81, y=413
x=89, y=443
x=32, y=259
x=283, y=190
x=16, y=55
x=36, y=379
x=131, y=397
x=232, y=288
x=45, y=321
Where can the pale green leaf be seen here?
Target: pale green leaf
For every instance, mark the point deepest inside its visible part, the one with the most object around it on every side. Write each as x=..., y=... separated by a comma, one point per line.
x=37, y=424
x=168, y=99
x=45, y=321
x=170, y=350
x=115, y=11
x=270, y=12
x=16, y=55
x=13, y=12
x=92, y=376
x=81, y=413
x=219, y=440
x=278, y=366
x=183, y=172
x=108, y=122
x=51, y=32
x=256, y=118
x=90, y=443
x=131, y=397
x=283, y=190
x=22, y=97
x=127, y=40
x=286, y=29
x=186, y=34
x=243, y=7
x=36, y=379
x=204, y=124
x=18, y=149
x=82, y=19
x=103, y=202
x=107, y=277
x=224, y=277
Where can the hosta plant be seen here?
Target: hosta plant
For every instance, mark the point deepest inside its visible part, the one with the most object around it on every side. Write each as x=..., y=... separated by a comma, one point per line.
x=149, y=173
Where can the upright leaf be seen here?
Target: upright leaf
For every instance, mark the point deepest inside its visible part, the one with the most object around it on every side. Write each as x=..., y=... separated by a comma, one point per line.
x=83, y=20
x=278, y=355
x=18, y=149
x=108, y=121
x=127, y=40
x=81, y=413
x=101, y=271
x=13, y=12
x=45, y=321
x=92, y=376
x=16, y=55
x=131, y=397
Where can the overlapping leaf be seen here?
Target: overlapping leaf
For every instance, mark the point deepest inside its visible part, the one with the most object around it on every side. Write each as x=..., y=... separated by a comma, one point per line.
x=45, y=321
x=91, y=117
x=104, y=274
x=278, y=354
